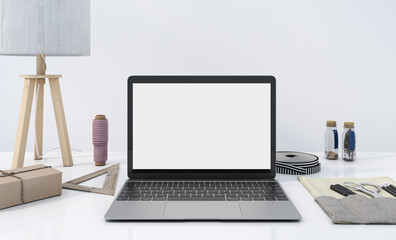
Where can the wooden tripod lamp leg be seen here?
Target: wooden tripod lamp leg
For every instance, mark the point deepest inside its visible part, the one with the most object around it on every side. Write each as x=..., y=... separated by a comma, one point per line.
x=38, y=142
x=23, y=123
x=61, y=122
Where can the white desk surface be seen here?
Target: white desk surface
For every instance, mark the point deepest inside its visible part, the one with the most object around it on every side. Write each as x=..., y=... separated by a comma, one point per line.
x=80, y=215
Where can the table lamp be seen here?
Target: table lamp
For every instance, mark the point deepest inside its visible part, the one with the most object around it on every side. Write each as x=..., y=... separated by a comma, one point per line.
x=43, y=28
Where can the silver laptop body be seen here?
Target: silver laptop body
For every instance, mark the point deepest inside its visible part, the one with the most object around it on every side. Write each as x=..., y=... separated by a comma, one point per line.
x=201, y=148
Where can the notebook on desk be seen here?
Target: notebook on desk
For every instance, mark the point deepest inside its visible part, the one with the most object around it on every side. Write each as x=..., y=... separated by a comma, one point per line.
x=201, y=148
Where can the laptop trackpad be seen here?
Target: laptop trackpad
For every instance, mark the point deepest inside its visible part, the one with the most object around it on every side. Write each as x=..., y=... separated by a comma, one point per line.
x=202, y=210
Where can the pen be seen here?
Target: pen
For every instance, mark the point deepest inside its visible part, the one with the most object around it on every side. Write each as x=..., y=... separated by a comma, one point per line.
x=390, y=189
x=341, y=190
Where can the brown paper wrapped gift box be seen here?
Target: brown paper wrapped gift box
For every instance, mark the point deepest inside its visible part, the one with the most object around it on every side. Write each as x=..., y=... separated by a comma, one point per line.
x=27, y=184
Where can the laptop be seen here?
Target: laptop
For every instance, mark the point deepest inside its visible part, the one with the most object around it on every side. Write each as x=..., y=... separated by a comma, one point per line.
x=201, y=148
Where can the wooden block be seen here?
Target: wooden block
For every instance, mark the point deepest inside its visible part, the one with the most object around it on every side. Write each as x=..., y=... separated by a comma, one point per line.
x=61, y=122
x=23, y=123
x=41, y=66
x=40, y=76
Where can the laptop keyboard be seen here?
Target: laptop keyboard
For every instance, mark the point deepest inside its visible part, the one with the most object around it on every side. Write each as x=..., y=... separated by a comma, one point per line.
x=202, y=191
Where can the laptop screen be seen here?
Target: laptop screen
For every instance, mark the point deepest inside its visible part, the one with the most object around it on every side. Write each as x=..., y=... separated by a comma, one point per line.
x=201, y=126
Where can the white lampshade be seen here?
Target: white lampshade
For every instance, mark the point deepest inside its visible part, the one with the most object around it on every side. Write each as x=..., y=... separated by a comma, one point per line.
x=50, y=27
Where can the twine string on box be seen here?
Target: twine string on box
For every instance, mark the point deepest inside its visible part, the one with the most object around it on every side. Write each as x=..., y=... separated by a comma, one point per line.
x=13, y=174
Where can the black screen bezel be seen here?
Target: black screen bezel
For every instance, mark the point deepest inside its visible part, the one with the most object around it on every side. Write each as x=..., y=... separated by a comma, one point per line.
x=204, y=173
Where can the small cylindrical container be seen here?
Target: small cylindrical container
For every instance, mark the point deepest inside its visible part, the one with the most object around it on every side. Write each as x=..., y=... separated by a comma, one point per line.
x=331, y=140
x=100, y=138
x=349, y=142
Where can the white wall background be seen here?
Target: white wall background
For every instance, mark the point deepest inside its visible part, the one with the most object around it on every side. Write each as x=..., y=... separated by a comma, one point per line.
x=333, y=59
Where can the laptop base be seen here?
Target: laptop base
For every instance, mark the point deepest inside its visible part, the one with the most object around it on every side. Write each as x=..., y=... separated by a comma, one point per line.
x=201, y=210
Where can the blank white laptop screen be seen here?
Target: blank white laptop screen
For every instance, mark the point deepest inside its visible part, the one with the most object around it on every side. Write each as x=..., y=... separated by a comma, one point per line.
x=201, y=126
